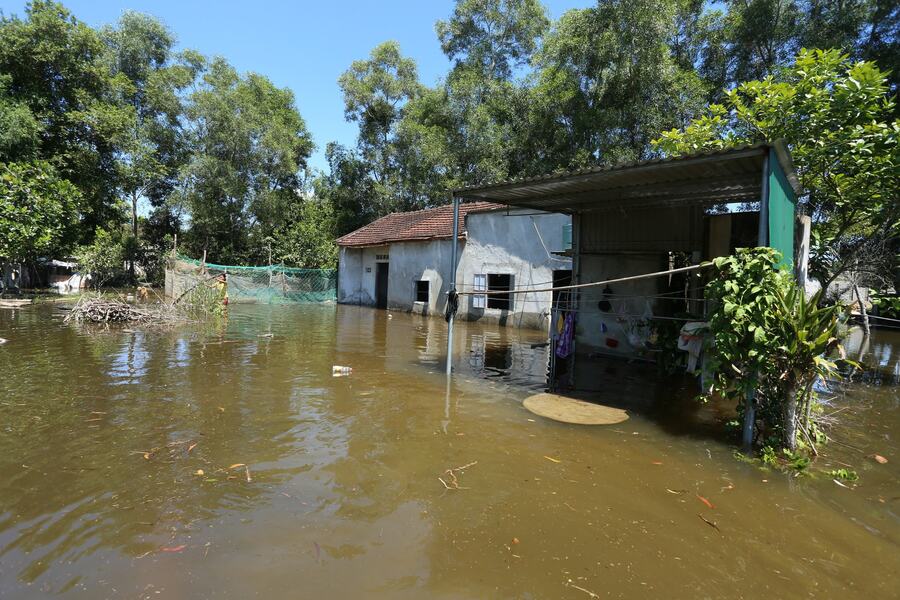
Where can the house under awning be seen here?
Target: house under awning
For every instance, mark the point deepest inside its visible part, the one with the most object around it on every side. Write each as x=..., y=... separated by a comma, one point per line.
x=651, y=216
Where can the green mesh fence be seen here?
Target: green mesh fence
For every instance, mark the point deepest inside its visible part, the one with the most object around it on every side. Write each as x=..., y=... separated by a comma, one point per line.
x=264, y=285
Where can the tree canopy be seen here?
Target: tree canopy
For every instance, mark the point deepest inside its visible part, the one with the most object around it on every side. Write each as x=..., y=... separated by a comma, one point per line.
x=158, y=140
x=837, y=117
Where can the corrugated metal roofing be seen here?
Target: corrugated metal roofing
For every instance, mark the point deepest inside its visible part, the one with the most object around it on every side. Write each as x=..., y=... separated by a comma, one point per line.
x=732, y=175
x=427, y=224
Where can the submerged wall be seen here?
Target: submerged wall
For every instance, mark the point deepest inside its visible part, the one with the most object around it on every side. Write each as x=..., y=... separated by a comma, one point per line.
x=356, y=274
x=419, y=261
x=517, y=243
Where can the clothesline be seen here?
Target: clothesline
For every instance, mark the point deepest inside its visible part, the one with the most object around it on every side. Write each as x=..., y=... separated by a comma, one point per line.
x=587, y=285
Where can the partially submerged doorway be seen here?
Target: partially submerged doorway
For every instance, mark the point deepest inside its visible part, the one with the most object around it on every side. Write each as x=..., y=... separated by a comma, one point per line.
x=381, y=284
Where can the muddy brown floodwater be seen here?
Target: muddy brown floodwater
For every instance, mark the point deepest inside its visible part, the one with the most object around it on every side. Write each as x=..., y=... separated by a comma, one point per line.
x=122, y=471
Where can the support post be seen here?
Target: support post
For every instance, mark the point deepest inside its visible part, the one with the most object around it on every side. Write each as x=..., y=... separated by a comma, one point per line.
x=749, y=421
x=763, y=240
x=763, y=233
x=453, y=249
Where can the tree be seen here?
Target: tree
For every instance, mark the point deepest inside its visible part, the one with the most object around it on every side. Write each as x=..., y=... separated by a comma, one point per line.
x=375, y=92
x=493, y=36
x=836, y=117
x=150, y=148
x=19, y=129
x=38, y=212
x=768, y=341
x=608, y=83
x=104, y=258
x=52, y=65
x=248, y=146
x=306, y=237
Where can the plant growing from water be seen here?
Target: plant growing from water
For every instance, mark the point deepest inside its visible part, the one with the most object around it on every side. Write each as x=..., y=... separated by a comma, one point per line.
x=769, y=340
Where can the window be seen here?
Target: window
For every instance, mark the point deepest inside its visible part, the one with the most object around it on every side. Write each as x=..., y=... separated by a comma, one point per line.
x=479, y=300
x=497, y=282
x=422, y=291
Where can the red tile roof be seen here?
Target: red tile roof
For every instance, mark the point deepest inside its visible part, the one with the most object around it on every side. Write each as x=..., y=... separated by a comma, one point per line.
x=428, y=224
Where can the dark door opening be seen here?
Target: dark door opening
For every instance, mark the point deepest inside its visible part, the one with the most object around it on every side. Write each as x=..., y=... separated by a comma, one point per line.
x=499, y=282
x=561, y=278
x=381, y=284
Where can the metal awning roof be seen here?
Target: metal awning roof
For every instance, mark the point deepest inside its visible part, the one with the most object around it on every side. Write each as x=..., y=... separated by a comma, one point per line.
x=733, y=175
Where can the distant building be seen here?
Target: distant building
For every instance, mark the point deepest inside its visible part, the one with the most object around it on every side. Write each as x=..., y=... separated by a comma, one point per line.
x=402, y=262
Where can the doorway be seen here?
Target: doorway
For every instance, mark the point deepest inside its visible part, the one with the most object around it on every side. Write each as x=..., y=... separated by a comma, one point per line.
x=381, y=284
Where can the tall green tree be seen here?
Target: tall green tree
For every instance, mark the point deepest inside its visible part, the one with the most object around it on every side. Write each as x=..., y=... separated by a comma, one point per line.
x=493, y=36
x=609, y=82
x=248, y=147
x=51, y=66
x=376, y=90
x=837, y=117
x=151, y=147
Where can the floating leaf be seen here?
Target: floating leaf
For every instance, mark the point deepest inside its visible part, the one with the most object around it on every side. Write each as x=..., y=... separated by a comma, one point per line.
x=705, y=501
x=236, y=465
x=879, y=459
x=178, y=548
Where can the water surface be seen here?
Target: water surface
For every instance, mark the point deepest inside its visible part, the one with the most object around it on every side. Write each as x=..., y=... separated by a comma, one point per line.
x=105, y=433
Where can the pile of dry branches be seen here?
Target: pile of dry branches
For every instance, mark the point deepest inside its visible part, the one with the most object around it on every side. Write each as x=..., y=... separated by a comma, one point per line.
x=97, y=309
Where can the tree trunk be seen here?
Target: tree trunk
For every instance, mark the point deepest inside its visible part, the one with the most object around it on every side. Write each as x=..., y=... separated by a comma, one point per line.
x=789, y=416
x=134, y=231
x=862, y=309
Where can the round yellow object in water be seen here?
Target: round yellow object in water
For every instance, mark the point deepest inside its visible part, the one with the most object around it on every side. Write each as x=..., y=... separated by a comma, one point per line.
x=571, y=410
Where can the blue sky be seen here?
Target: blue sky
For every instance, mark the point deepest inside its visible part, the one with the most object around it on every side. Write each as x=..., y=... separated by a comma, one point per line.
x=303, y=45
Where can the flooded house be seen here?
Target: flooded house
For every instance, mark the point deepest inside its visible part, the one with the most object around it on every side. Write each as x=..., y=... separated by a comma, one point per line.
x=403, y=262
x=634, y=223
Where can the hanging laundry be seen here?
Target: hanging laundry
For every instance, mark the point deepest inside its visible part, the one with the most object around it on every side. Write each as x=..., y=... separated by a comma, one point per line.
x=566, y=340
x=691, y=341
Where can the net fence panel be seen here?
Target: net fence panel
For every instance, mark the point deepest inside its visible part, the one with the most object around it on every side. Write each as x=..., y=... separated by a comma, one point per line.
x=262, y=285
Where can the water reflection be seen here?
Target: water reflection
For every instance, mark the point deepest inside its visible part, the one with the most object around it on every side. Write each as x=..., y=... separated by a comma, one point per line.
x=878, y=353
x=104, y=434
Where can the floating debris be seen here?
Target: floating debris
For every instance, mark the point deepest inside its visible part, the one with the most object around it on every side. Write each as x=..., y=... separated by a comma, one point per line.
x=705, y=501
x=97, y=309
x=452, y=479
x=710, y=523
x=572, y=410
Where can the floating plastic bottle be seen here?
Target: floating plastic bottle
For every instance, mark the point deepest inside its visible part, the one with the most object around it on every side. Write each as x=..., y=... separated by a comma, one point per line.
x=338, y=370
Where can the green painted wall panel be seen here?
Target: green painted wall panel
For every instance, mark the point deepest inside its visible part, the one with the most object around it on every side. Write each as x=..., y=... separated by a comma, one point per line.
x=782, y=211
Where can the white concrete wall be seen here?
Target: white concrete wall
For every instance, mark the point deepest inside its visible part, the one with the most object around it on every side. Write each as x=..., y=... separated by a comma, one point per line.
x=356, y=275
x=595, y=327
x=415, y=261
x=497, y=242
x=506, y=243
